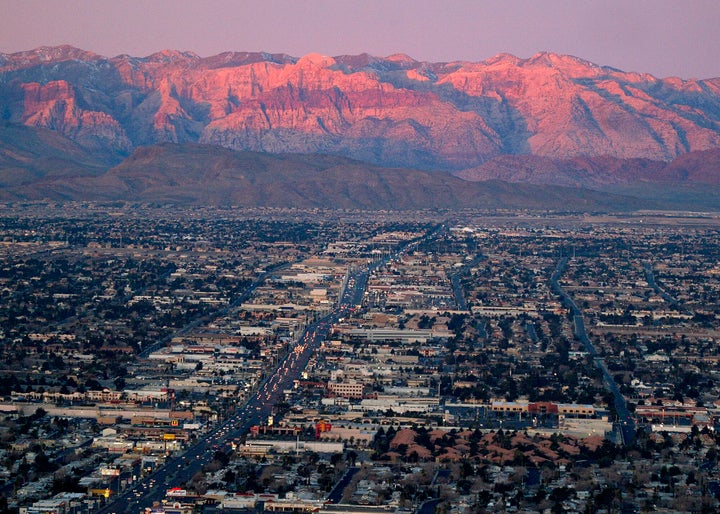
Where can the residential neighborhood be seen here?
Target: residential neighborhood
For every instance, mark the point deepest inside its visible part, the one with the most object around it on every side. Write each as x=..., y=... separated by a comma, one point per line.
x=283, y=360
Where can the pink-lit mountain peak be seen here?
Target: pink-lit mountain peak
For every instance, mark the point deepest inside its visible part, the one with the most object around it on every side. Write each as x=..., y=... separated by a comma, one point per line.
x=387, y=110
x=401, y=59
x=317, y=60
x=46, y=55
x=170, y=56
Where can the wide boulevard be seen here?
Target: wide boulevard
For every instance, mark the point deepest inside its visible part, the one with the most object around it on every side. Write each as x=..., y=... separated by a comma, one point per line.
x=180, y=468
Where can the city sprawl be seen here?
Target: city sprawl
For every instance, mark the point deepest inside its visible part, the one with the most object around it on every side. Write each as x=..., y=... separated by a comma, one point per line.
x=155, y=359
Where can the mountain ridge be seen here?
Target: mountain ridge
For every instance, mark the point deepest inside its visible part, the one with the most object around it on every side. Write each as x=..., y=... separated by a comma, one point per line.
x=403, y=133
x=388, y=111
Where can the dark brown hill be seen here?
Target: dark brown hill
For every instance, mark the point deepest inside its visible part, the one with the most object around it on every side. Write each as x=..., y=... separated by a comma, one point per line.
x=599, y=172
x=29, y=155
x=212, y=175
x=694, y=167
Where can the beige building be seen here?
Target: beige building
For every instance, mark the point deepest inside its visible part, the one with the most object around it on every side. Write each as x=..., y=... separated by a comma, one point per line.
x=353, y=390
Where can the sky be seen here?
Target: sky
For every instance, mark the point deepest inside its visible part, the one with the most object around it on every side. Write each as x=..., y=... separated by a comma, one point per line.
x=661, y=37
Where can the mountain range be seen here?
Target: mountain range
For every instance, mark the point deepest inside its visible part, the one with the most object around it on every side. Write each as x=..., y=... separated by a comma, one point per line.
x=77, y=124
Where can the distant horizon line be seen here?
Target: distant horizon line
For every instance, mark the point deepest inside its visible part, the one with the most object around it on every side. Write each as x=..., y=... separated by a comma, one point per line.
x=396, y=56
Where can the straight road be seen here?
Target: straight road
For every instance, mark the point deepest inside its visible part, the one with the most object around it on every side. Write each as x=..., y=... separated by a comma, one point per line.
x=650, y=277
x=181, y=468
x=204, y=318
x=625, y=420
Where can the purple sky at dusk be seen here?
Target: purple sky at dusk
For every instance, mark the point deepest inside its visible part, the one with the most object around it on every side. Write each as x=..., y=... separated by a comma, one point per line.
x=662, y=37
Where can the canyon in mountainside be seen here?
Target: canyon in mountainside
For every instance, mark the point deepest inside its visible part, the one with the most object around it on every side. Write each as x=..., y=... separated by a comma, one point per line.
x=549, y=119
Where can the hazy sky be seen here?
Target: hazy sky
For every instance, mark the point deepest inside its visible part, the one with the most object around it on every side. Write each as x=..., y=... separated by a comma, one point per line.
x=662, y=37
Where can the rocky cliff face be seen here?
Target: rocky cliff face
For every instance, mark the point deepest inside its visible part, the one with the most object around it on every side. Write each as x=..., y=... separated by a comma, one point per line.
x=391, y=111
x=54, y=105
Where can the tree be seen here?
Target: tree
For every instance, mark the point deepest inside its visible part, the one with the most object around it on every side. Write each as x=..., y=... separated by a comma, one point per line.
x=43, y=464
x=229, y=477
x=67, y=484
x=221, y=457
x=335, y=459
x=119, y=383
